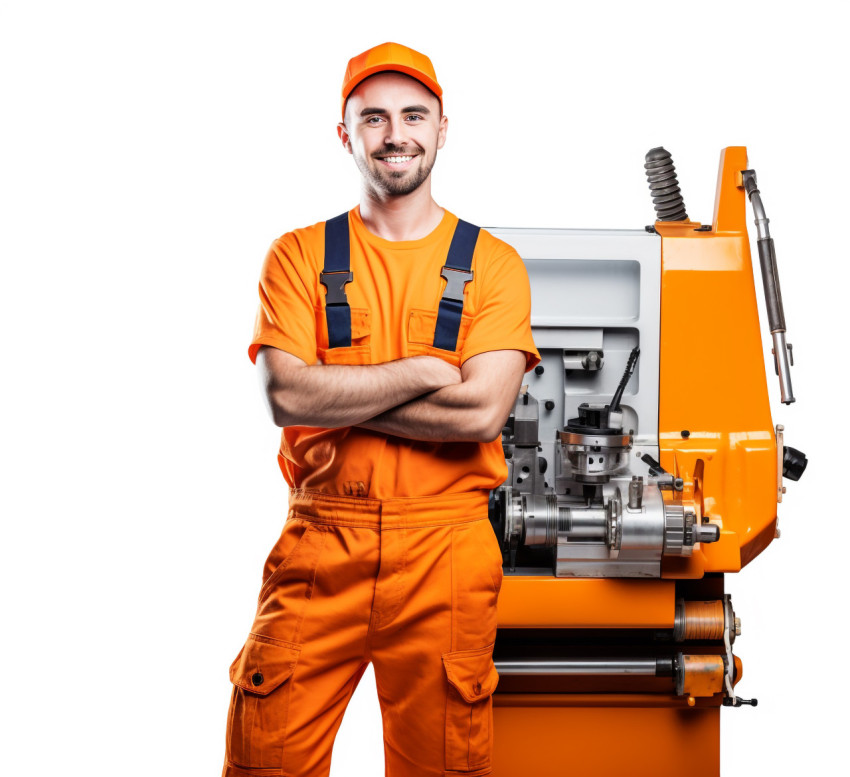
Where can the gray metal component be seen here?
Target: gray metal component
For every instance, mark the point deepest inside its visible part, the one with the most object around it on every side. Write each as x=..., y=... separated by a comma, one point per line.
x=636, y=492
x=706, y=532
x=781, y=353
x=601, y=536
x=595, y=458
x=583, y=360
x=579, y=667
x=772, y=290
x=664, y=186
x=596, y=297
x=456, y=281
x=593, y=291
x=674, y=530
x=539, y=516
x=732, y=624
x=780, y=463
x=335, y=283
x=643, y=529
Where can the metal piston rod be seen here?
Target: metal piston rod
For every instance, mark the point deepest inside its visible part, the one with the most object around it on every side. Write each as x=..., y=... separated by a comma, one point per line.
x=581, y=667
x=772, y=292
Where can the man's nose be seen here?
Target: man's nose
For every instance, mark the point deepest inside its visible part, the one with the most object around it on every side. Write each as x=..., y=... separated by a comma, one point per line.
x=396, y=135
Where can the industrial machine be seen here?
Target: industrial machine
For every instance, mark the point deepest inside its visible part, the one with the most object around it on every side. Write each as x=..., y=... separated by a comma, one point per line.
x=639, y=475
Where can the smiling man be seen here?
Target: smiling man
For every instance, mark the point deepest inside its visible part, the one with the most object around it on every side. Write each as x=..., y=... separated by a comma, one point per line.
x=391, y=342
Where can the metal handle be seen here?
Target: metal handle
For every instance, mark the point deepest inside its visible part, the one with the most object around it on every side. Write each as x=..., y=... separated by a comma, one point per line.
x=772, y=291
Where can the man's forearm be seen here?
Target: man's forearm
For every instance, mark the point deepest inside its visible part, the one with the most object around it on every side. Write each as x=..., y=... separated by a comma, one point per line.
x=474, y=410
x=453, y=413
x=345, y=395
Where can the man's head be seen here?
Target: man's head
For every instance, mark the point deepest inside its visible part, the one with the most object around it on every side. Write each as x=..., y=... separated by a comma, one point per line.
x=392, y=117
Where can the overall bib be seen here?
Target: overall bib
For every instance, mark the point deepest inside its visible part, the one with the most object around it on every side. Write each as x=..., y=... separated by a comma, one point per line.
x=409, y=584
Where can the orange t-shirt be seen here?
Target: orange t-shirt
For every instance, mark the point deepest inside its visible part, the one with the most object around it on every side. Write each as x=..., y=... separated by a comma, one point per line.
x=393, y=299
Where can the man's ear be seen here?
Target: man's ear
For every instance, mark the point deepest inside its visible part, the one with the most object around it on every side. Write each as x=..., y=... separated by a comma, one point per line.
x=441, y=135
x=344, y=136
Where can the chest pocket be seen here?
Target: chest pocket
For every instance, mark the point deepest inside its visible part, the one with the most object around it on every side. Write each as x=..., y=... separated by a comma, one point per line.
x=360, y=350
x=421, y=325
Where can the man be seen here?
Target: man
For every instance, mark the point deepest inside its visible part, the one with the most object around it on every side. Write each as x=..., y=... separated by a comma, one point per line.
x=392, y=376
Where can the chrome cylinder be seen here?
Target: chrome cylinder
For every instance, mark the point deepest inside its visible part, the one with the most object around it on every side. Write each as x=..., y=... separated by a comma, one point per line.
x=579, y=667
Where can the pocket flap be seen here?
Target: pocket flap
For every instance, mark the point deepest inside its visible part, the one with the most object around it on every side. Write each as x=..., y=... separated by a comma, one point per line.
x=361, y=324
x=263, y=664
x=423, y=323
x=472, y=672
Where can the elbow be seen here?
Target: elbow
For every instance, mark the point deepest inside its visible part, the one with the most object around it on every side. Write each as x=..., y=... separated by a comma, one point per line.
x=281, y=408
x=489, y=428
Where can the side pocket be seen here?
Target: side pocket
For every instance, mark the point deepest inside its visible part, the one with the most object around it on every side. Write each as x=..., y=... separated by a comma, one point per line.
x=472, y=678
x=492, y=541
x=283, y=554
x=257, y=723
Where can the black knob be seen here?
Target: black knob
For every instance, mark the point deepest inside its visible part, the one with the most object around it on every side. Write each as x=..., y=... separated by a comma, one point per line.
x=542, y=464
x=793, y=463
x=538, y=370
x=549, y=405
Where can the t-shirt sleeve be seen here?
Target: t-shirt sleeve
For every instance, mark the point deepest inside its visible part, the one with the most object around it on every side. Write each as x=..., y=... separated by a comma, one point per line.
x=286, y=318
x=503, y=319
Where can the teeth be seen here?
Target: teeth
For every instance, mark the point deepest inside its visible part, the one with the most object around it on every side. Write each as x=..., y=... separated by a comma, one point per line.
x=398, y=159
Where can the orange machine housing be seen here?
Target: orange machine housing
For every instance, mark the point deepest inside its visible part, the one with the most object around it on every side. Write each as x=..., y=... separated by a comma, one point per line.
x=715, y=432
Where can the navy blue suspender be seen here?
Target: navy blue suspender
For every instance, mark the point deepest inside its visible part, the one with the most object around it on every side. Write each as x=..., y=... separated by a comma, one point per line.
x=337, y=272
x=457, y=273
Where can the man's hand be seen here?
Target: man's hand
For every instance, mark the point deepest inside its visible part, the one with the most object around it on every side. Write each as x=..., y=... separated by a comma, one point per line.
x=334, y=395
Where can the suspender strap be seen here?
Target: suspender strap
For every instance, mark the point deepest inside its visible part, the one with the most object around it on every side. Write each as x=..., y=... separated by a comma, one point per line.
x=457, y=273
x=335, y=274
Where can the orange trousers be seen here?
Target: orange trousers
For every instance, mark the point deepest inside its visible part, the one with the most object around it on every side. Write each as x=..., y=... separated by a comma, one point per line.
x=408, y=584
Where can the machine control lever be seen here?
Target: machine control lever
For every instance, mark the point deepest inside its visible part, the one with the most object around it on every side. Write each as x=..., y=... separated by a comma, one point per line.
x=630, y=370
x=665, y=480
x=739, y=702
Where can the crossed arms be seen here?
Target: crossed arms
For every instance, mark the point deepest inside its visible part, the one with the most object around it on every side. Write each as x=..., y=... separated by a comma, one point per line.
x=418, y=397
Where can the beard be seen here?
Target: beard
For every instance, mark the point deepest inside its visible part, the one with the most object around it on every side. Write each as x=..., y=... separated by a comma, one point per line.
x=396, y=182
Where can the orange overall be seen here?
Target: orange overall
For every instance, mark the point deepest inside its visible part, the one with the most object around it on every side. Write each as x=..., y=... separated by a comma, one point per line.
x=387, y=554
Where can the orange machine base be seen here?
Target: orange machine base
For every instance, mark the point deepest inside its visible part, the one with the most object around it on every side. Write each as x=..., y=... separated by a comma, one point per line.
x=604, y=741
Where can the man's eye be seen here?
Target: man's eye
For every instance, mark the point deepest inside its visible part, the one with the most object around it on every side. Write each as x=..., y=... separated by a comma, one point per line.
x=374, y=120
x=414, y=116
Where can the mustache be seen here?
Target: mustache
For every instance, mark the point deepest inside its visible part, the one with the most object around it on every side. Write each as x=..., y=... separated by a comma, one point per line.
x=390, y=150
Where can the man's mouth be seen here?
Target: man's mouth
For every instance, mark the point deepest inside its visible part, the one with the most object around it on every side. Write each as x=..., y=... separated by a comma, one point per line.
x=397, y=160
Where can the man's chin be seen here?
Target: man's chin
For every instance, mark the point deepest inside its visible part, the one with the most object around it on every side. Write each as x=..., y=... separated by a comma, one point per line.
x=399, y=183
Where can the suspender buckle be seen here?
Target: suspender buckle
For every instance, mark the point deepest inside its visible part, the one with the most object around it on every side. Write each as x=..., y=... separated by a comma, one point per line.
x=456, y=280
x=335, y=282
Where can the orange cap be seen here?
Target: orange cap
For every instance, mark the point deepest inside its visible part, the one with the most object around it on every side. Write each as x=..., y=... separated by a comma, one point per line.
x=390, y=56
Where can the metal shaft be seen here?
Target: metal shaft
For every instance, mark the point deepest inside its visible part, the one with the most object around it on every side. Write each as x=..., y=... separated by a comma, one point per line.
x=772, y=291
x=580, y=667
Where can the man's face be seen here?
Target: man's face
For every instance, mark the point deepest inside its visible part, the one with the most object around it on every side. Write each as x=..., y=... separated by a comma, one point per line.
x=393, y=128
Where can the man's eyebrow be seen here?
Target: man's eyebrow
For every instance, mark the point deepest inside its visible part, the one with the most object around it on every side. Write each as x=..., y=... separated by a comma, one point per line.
x=385, y=112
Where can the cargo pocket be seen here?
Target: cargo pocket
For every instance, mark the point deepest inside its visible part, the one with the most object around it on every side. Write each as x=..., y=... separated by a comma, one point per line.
x=421, y=326
x=360, y=350
x=472, y=679
x=257, y=723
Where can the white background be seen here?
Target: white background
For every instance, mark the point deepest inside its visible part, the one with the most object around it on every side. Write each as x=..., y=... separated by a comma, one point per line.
x=150, y=153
